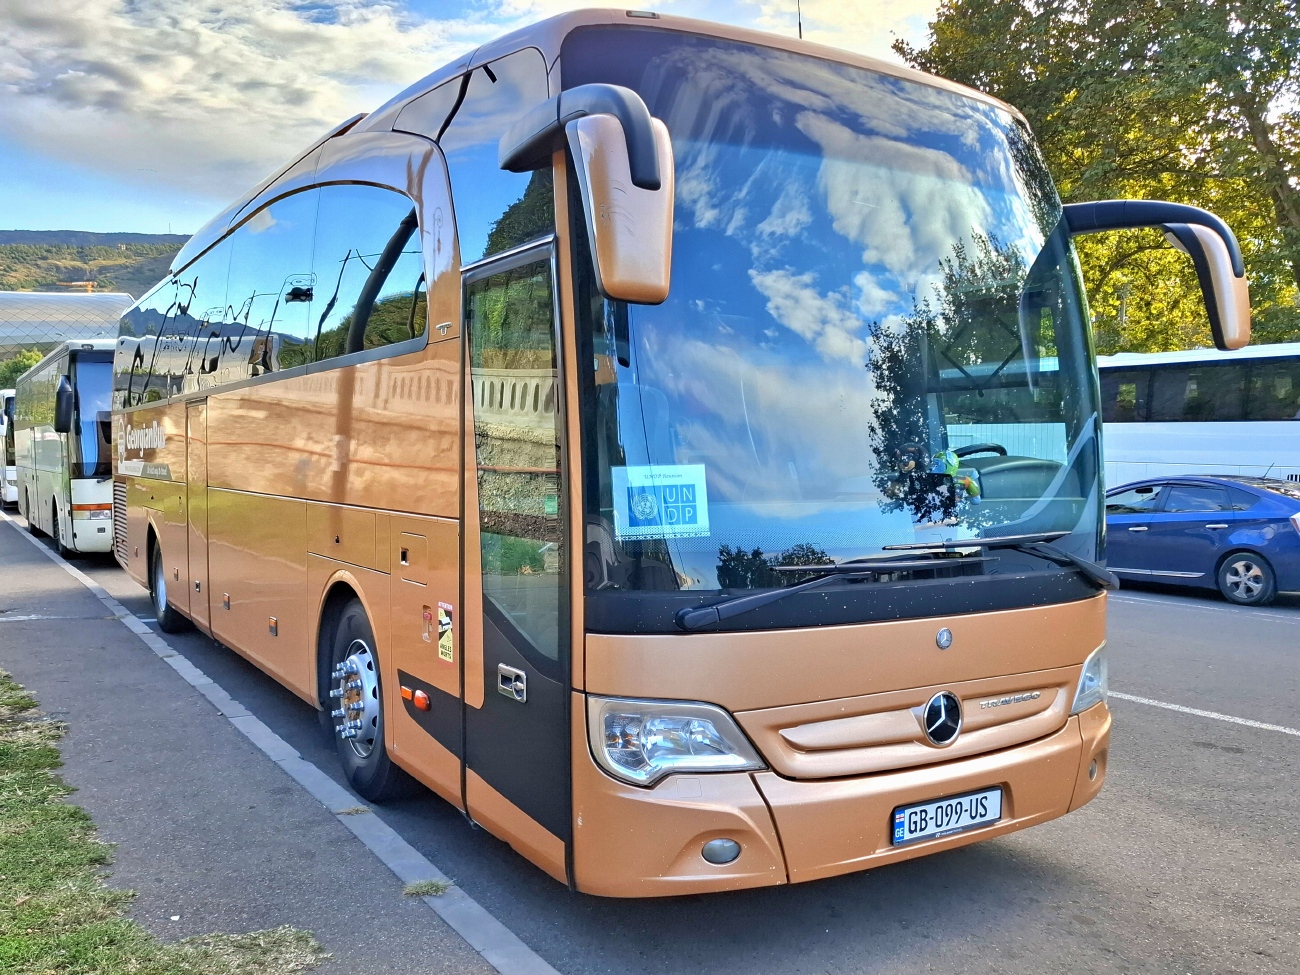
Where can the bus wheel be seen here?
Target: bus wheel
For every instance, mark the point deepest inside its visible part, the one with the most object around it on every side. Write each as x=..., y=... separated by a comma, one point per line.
x=30, y=515
x=1246, y=579
x=357, y=708
x=57, y=532
x=169, y=618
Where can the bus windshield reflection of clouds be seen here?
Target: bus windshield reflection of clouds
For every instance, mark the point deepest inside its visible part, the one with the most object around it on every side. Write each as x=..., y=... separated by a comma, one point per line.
x=868, y=276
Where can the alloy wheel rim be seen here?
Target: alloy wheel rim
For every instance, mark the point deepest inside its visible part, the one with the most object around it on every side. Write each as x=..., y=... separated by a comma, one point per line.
x=356, y=689
x=1245, y=579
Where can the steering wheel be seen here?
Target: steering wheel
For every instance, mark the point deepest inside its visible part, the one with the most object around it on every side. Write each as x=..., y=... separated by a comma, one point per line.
x=981, y=448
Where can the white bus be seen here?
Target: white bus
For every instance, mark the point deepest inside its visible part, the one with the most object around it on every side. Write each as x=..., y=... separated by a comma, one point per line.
x=8, y=475
x=63, y=446
x=1201, y=412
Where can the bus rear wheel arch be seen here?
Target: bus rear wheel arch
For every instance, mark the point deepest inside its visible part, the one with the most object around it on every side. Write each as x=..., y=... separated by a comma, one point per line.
x=353, y=699
x=1246, y=578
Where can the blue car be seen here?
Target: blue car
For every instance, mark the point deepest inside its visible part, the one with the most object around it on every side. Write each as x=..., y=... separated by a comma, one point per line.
x=1240, y=535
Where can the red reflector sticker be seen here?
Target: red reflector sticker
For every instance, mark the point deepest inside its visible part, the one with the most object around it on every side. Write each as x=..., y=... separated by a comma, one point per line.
x=421, y=701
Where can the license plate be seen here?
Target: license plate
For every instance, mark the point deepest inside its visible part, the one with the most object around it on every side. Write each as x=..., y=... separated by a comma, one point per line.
x=943, y=817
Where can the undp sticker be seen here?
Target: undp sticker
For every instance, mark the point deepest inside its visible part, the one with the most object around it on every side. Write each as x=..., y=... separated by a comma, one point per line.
x=667, y=501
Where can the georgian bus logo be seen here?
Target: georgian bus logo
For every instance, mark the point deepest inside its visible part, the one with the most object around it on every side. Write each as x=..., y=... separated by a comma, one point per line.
x=152, y=437
x=942, y=718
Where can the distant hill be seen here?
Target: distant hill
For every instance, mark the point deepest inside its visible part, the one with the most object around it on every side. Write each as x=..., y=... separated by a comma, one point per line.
x=41, y=260
x=86, y=238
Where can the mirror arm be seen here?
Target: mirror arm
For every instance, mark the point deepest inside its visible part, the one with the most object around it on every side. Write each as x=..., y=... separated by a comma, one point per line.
x=528, y=144
x=1088, y=218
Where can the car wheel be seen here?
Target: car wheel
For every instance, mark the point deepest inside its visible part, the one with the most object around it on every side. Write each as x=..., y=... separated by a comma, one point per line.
x=169, y=618
x=1247, y=579
x=357, y=708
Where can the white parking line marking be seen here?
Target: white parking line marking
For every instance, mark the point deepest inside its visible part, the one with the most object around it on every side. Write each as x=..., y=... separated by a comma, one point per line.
x=1182, y=709
x=497, y=944
x=1181, y=604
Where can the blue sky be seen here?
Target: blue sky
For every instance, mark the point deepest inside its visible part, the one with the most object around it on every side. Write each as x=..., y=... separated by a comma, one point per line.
x=149, y=115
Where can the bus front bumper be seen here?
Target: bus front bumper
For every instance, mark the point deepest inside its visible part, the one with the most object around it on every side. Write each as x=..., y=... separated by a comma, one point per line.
x=648, y=842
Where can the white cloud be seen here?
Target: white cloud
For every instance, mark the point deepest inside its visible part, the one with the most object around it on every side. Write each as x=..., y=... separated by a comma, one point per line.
x=823, y=319
x=205, y=96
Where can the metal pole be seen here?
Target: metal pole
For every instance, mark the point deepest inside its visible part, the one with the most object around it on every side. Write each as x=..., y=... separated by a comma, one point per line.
x=798, y=10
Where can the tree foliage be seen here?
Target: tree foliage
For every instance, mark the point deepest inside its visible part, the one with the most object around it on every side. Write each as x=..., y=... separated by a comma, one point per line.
x=1196, y=101
x=16, y=365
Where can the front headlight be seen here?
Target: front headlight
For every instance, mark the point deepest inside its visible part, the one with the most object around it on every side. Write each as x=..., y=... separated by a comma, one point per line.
x=1092, y=682
x=642, y=741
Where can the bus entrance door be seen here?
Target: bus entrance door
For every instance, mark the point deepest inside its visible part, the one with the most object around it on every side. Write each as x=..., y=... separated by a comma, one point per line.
x=196, y=462
x=516, y=713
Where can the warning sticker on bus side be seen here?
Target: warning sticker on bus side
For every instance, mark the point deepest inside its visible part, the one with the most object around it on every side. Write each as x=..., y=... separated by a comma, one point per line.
x=669, y=501
x=446, y=648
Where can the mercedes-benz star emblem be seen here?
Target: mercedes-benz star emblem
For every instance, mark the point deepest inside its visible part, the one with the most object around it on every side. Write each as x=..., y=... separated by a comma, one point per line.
x=943, y=638
x=942, y=717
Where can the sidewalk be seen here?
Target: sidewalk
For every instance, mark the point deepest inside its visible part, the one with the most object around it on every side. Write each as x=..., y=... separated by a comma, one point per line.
x=208, y=830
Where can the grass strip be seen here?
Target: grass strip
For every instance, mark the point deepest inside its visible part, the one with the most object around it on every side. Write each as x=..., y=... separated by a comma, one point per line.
x=57, y=917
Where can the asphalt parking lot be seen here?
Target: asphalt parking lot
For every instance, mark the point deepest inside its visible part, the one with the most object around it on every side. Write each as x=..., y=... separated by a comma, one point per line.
x=1188, y=862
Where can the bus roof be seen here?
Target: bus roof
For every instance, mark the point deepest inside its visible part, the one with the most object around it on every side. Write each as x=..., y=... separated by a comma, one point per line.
x=547, y=36
x=73, y=345
x=1128, y=360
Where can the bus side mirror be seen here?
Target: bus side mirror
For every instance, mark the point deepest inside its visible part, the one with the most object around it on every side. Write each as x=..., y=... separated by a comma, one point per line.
x=624, y=168
x=1198, y=233
x=630, y=229
x=1227, y=296
x=63, y=406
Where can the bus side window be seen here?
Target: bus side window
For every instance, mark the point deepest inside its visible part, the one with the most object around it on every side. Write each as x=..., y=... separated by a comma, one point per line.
x=496, y=210
x=369, y=272
x=269, y=295
x=1274, y=390
x=140, y=367
x=1198, y=393
x=1124, y=395
x=201, y=306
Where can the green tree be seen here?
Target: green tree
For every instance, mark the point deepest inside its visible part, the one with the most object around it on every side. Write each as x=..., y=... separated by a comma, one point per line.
x=1196, y=101
x=16, y=365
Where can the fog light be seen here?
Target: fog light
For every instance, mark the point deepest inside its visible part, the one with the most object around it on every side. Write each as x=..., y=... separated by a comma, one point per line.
x=1092, y=770
x=720, y=851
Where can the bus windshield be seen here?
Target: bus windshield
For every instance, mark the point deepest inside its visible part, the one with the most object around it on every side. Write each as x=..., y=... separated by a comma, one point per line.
x=875, y=336
x=91, y=454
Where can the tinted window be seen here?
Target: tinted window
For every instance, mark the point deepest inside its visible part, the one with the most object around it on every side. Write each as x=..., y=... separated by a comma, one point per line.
x=1274, y=392
x=270, y=291
x=1198, y=393
x=1242, y=500
x=1135, y=501
x=497, y=210
x=1124, y=395
x=200, y=316
x=368, y=270
x=141, y=368
x=1195, y=497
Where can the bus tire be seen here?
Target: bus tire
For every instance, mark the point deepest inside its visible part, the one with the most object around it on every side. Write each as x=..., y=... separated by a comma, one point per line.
x=1247, y=579
x=30, y=515
x=354, y=682
x=169, y=618
x=57, y=531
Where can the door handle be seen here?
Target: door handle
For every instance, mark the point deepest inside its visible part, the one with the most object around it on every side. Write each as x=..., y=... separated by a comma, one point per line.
x=1140, y=528
x=512, y=683
x=1216, y=526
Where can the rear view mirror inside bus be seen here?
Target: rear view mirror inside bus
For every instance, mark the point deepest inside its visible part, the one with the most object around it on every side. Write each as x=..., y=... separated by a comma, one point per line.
x=623, y=162
x=1201, y=235
x=63, y=406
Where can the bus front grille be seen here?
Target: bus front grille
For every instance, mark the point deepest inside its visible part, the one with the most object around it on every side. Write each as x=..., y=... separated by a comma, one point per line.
x=119, y=521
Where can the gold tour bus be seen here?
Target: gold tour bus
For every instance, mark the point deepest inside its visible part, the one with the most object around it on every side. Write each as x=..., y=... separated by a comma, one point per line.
x=674, y=445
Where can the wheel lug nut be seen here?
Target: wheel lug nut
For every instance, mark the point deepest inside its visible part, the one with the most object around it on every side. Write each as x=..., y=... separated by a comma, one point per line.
x=337, y=692
x=339, y=713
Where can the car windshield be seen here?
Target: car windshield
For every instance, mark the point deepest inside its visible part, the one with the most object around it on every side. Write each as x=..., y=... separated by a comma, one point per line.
x=875, y=334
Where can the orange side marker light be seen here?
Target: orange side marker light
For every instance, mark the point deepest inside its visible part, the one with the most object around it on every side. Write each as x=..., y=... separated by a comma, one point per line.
x=406, y=693
x=421, y=701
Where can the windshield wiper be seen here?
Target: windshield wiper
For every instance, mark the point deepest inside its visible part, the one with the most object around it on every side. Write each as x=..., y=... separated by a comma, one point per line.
x=1039, y=545
x=692, y=618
